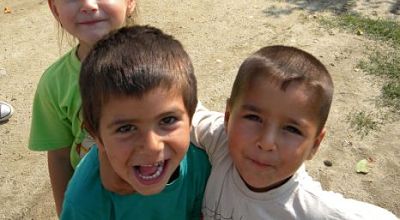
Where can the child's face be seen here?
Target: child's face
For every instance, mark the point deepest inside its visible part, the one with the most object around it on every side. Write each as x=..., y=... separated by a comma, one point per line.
x=90, y=20
x=145, y=139
x=271, y=133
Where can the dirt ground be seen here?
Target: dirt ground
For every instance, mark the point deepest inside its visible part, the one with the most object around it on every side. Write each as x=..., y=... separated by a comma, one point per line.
x=218, y=35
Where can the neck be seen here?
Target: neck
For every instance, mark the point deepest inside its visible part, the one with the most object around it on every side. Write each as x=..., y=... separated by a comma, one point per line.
x=83, y=50
x=268, y=188
x=175, y=175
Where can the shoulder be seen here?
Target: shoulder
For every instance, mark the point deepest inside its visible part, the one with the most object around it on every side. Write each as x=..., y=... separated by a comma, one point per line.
x=67, y=63
x=85, y=188
x=318, y=203
x=196, y=153
x=86, y=198
x=197, y=157
x=196, y=163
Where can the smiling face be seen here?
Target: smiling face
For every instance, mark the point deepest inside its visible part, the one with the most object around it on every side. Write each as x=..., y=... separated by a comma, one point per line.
x=90, y=20
x=145, y=138
x=271, y=132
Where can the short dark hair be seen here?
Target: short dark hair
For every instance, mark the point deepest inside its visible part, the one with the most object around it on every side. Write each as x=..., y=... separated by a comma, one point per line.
x=132, y=61
x=284, y=65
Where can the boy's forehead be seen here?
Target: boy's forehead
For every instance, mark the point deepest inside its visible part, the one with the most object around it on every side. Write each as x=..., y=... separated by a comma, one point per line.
x=141, y=95
x=301, y=94
x=155, y=100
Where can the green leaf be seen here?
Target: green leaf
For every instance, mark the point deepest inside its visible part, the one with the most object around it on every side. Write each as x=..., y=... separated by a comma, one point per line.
x=362, y=166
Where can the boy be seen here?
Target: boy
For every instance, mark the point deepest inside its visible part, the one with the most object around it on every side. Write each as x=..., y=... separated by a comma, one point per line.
x=274, y=121
x=138, y=96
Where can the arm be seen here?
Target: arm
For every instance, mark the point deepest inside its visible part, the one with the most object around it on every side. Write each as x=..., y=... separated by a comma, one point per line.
x=110, y=180
x=208, y=131
x=60, y=171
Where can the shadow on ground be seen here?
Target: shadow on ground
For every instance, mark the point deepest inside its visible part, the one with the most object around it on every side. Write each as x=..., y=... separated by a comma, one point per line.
x=336, y=6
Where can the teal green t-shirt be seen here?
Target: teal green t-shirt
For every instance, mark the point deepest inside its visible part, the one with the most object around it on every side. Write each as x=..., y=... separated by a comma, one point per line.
x=56, y=121
x=86, y=198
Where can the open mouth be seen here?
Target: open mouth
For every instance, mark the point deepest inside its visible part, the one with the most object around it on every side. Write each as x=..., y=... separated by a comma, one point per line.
x=150, y=173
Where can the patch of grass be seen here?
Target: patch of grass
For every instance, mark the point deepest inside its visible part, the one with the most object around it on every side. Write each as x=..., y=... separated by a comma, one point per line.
x=391, y=94
x=388, y=66
x=363, y=123
x=379, y=63
x=380, y=29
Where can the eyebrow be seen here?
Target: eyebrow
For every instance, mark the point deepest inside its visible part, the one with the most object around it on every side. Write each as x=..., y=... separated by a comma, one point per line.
x=119, y=121
x=251, y=108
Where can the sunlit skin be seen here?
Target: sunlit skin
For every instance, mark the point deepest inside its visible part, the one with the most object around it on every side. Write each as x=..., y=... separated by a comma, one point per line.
x=271, y=132
x=137, y=134
x=90, y=20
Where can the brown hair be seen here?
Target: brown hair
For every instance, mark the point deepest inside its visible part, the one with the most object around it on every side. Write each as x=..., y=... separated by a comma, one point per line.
x=285, y=65
x=131, y=62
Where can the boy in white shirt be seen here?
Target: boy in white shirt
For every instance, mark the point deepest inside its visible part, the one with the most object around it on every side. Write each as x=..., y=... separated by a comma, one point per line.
x=274, y=121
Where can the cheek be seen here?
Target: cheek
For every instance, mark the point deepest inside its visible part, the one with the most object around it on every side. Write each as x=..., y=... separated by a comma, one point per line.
x=118, y=150
x=288, y=143
x=117, y=13
x=180, y=140
x=67, y=11
x=293, y=150
x=243, y=131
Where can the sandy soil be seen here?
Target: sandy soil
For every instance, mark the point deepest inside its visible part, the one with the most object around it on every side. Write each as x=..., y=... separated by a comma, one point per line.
x=218, y=35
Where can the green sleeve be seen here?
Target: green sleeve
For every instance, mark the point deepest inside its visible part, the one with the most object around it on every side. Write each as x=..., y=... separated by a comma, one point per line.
x=50, y=129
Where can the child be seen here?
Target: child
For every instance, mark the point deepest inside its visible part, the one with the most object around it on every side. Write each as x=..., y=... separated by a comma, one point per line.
x=138, y=96
x=274, y=121
x=56, y=123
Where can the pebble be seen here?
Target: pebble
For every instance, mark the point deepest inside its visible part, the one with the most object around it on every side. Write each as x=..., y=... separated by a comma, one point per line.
x=328, y=163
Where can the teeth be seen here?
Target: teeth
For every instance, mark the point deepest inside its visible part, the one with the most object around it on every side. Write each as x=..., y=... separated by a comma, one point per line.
x=153, y=165
x=160, y=168
x=155, y=175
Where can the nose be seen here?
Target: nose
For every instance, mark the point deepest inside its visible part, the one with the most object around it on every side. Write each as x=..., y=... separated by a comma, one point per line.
x=267, y=139
x=152, y=142
x=89, y=6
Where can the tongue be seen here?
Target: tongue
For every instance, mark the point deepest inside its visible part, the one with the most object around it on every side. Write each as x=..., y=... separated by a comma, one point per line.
x=147, y=170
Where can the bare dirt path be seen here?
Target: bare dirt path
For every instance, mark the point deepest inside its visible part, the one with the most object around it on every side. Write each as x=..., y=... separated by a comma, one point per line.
x=218, y=35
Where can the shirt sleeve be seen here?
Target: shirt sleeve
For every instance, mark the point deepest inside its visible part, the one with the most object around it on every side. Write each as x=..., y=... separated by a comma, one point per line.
x=50, y=128
x=208, y=131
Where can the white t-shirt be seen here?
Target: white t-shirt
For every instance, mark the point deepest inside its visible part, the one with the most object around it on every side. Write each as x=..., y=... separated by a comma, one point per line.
x=227, y=196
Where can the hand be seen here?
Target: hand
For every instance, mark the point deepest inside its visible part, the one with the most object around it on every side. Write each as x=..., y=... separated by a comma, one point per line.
x=111, y=181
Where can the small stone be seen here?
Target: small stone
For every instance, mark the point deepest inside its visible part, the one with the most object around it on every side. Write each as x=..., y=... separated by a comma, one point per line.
x=7, y=10
x=362, y=166
x=328, y=163
x=3, y=71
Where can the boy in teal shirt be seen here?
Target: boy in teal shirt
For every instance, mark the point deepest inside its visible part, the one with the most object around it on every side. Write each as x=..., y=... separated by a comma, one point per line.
x=138, y=96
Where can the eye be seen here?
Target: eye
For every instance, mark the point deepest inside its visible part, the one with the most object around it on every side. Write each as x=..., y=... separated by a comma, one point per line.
x=293, y=129
x=126, y=128
x=252, y=117
x=168, y=120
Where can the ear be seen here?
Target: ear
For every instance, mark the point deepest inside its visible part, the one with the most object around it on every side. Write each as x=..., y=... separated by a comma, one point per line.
x=317, y=143
x=100, y=144
x=131, y=6
x=227, y=112
x=53, y=9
